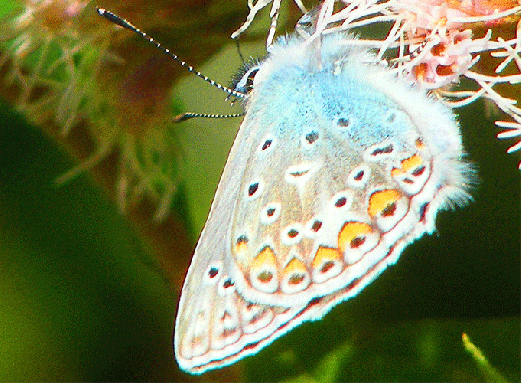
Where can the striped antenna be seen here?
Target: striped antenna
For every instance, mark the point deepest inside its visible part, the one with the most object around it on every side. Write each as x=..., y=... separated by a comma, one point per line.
x=186, y=116
x=125, y=24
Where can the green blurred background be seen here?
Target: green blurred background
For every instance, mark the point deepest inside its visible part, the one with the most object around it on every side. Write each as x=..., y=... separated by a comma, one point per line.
x=83, y=299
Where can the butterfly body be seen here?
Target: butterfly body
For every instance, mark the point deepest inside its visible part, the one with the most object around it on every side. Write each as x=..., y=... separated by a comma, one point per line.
x=337, y=166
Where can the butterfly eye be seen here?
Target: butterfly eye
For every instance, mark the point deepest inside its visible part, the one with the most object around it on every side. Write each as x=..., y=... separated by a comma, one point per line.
x=252, y=189
x=312, y=137
x=313, y=227
x=359, y=175
x=243, y=82
x=292, y=234
x=249, y=79
x=241, y=244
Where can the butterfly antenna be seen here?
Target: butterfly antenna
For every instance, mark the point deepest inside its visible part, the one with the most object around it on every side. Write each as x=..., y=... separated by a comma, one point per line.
x=113, y=18
x=239, y=50
x=186, y=116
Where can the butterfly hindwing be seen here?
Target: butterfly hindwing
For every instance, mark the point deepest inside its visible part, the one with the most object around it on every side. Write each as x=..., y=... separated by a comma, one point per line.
x=330, y=188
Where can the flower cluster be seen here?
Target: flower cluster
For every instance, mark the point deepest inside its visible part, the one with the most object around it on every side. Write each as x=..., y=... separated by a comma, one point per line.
x=437, y=43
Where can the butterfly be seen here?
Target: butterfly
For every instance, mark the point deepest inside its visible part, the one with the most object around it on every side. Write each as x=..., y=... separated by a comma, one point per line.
x=338, y=165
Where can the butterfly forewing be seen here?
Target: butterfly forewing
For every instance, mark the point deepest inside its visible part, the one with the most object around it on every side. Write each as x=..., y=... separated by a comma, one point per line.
x=217, y=327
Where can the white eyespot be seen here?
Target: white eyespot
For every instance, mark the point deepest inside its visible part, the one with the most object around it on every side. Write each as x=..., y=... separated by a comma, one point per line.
x=270, y=213
x=254, y=189
x=292, y=234
x=313, y=227
x=300, y=174
x=226, y=286
x=267, y=144
x=295, y=276
x=354, y=253
x=341, y=200
x=380, y=152
x=213, y=273
x=327, y=263
x=359, y=176
x=355, y=239
x=241, y=248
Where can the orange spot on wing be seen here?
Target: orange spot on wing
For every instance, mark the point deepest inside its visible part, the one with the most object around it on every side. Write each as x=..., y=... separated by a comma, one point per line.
x=297, y=270
x=412, y=162
x=350, y=232
x=396, y=171
x=265, y=259
x=382, y=200
x=325, y=256
x=242, y=244
x=241, y=247
x=295, y=265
